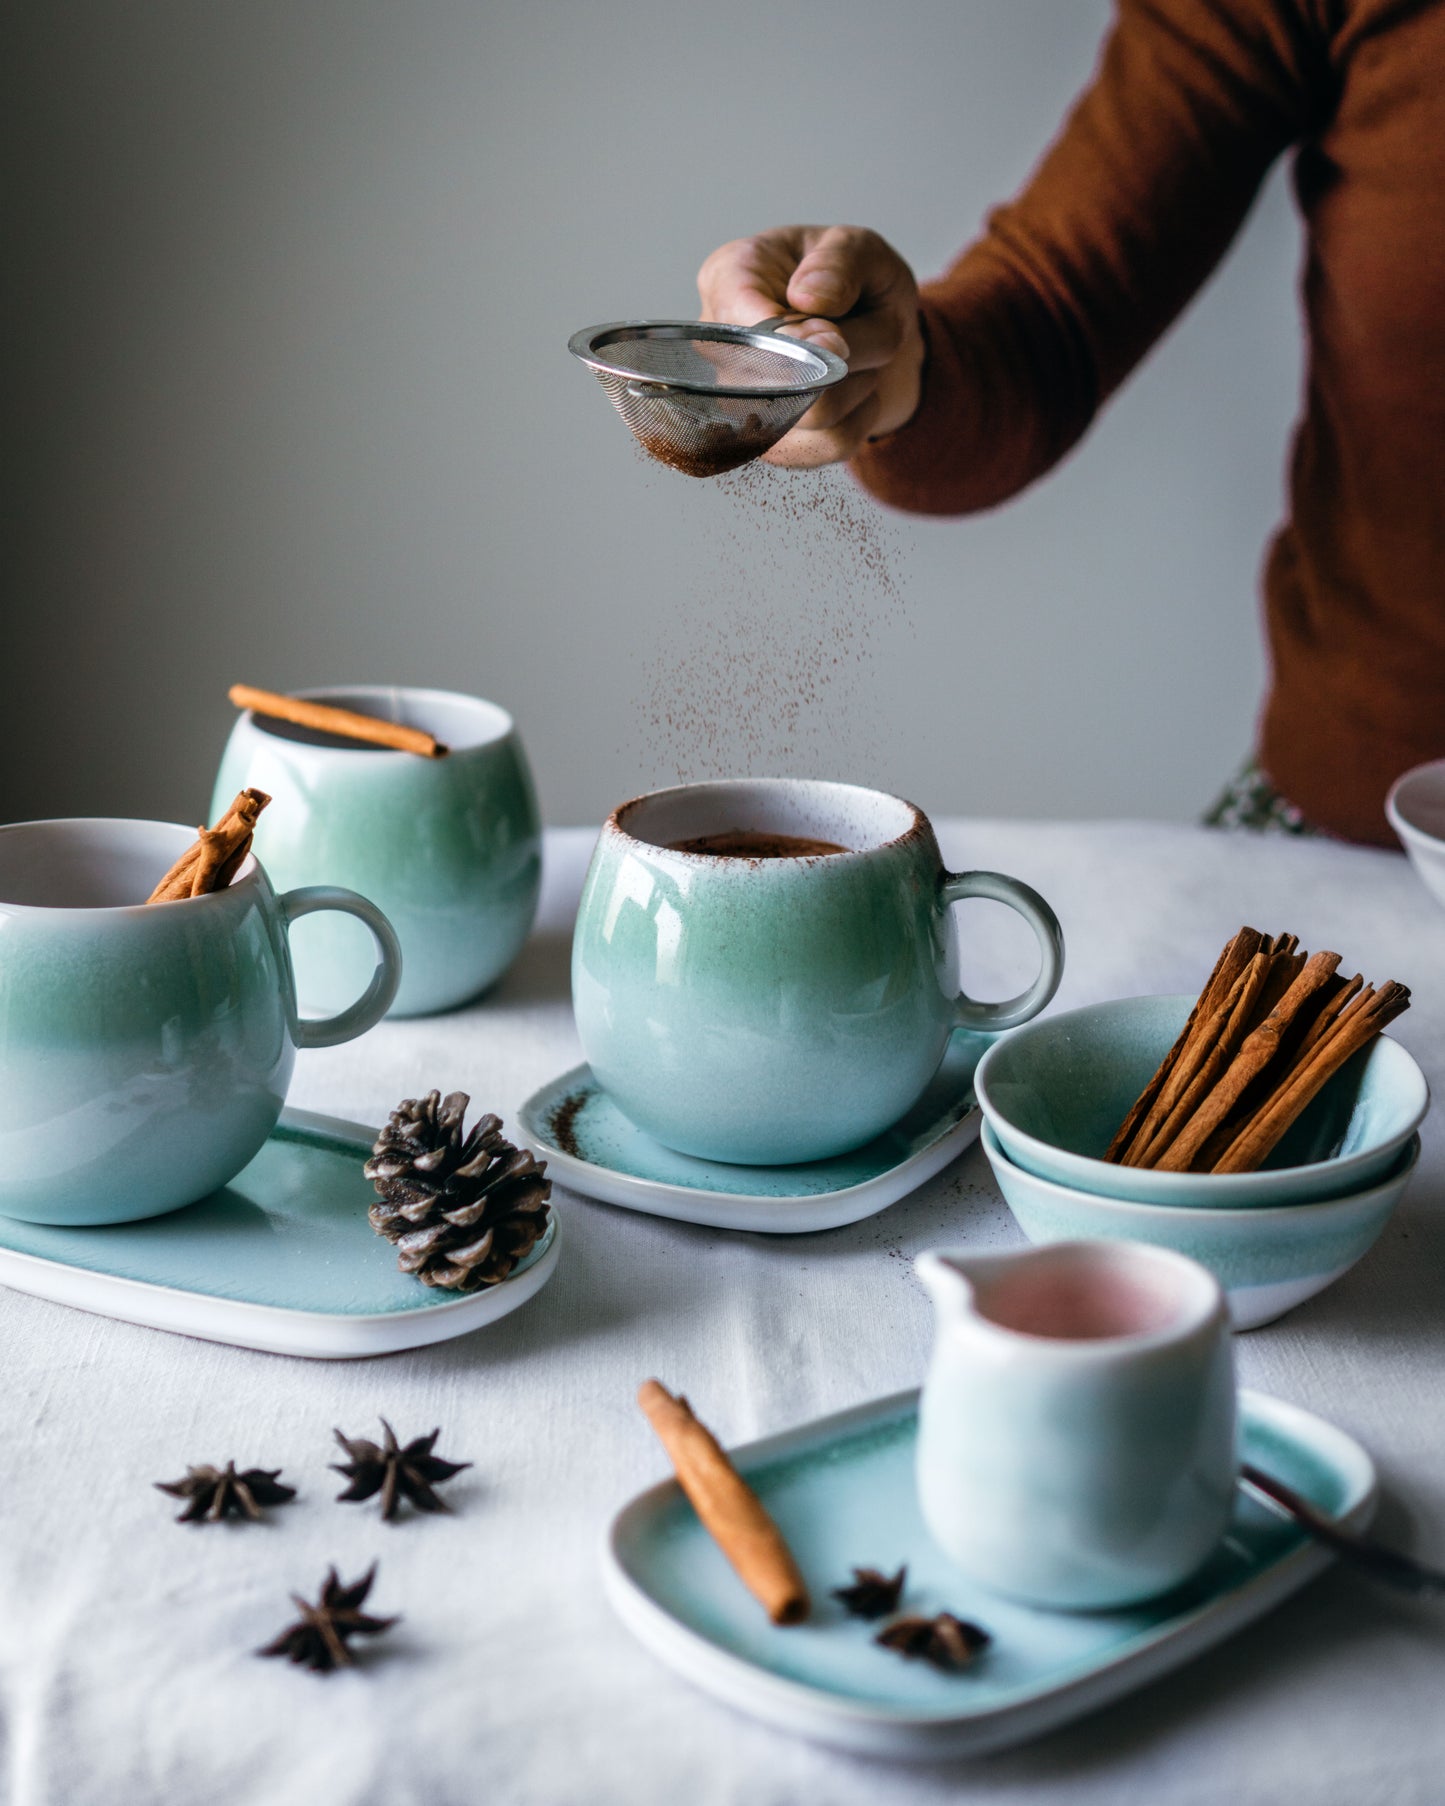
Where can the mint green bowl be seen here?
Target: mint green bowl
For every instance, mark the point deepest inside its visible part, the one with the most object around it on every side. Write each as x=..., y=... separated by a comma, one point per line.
x=1268, y=1260
x=1055, y=1091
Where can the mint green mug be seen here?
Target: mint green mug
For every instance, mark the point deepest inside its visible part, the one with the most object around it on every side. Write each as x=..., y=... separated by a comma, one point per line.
x=450, y=848
x=768, y=1010
x=146, y=1048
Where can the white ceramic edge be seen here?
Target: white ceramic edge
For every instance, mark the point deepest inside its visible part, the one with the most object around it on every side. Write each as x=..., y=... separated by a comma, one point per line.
x=765, y=1216
x=1226, y=1184
x=1400, y=822
x=271, y=1328
x=245, y=871
x=851, y=1724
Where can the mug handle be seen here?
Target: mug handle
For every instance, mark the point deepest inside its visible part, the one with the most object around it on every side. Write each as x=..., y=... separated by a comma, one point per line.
x=1045, y=924
x=379, y=995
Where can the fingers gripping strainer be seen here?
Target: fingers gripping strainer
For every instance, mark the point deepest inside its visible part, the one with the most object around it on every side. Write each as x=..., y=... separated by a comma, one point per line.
x=706, y=398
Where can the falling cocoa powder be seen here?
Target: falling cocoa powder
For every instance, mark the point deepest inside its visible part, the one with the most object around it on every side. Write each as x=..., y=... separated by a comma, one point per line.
x=768, y=664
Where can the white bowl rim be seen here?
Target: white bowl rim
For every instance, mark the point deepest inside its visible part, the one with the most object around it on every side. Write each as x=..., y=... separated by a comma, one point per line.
x=1188, y=1183
x=1240, y=1214
x=1395, y=806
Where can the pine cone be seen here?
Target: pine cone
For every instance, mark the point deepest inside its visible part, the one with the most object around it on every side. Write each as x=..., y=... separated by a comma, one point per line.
x=462, y=1209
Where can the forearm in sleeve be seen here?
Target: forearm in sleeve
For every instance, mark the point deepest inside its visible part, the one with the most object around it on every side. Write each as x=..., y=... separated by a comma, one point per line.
x=1129, y=211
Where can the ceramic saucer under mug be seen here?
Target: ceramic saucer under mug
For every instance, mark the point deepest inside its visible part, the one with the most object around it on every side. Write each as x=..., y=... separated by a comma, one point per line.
x=592, y=1148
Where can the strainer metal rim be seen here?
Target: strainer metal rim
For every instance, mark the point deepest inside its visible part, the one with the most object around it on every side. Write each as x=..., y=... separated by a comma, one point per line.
x=587, y=344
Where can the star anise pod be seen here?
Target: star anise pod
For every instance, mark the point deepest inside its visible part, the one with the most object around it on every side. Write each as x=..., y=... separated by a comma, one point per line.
x=949, y=1643
x=872, y=1594
x=395, y=1472
x=319, y=1637
x=217, y=1492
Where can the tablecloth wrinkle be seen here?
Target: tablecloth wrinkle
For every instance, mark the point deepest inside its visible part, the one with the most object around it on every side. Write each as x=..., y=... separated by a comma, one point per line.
x=127, y=1676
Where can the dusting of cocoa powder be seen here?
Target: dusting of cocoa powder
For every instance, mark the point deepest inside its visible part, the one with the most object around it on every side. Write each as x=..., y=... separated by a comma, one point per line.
x=563, y=1124
x=767, y=666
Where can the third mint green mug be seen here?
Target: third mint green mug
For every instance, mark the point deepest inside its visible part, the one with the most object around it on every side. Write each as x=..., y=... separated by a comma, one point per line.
x=772, y=1005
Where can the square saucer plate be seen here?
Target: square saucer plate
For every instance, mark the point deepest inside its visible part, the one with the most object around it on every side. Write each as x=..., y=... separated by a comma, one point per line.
x=283, y=1259
x=842, y=1491
x=592, y=1148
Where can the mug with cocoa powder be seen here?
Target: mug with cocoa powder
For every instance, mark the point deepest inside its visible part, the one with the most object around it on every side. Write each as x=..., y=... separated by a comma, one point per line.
x=765, y=970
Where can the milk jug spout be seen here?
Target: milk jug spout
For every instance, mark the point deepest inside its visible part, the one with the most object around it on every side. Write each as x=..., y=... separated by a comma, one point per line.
x=951, y=1280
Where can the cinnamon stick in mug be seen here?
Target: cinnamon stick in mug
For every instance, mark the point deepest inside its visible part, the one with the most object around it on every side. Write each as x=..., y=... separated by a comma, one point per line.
x=730, y=1510
x=211, y=862
x=347, y=724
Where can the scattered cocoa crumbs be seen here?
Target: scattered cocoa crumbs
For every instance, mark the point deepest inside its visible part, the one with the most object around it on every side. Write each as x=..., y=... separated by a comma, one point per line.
x=563, y=1124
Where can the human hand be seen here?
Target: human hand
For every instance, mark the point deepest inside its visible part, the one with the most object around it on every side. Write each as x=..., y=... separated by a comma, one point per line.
x=858, y=298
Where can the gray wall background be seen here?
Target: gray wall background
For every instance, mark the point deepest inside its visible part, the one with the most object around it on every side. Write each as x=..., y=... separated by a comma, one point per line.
x=287, y=290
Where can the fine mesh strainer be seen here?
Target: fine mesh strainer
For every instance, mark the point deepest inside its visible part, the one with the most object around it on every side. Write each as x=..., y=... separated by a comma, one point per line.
x=706, y=398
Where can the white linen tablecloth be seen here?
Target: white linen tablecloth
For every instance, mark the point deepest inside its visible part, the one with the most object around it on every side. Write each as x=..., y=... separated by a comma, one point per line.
x=126, y=1672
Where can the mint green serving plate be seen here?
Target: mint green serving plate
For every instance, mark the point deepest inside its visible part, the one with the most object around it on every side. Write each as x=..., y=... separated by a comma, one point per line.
x=593, y=1148
x=282, y=1259
x=842, y=1492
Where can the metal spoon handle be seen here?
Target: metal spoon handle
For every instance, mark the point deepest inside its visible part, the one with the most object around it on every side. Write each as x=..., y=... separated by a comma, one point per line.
x=1386, y=1565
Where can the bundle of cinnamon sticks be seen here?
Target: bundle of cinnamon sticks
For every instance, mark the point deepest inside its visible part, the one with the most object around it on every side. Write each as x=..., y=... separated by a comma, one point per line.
x=214, y=857
x=1270, y=1029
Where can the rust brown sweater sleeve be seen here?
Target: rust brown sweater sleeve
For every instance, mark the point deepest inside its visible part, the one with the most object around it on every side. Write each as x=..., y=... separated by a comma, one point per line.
x=1123, y=220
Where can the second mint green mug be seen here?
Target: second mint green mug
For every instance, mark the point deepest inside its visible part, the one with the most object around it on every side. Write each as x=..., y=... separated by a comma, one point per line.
x=774, y=1006
x=450, y=848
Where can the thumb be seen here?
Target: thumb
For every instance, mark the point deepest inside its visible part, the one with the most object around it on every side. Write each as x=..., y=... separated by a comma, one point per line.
x=830, y=278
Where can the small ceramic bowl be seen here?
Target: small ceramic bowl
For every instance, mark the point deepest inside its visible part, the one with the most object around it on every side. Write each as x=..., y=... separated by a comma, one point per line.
x=1416, y=808
x=1267, y=1260
x=1055, y=1091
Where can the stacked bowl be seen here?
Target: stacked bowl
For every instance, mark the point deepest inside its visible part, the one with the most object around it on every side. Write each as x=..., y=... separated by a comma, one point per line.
x=1054, y=1092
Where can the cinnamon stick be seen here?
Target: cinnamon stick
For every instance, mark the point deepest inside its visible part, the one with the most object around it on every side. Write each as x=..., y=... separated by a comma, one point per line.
x=1255, y=1055
x=1214, y=1049
x=728, y=1507
x=211, y=862
x=1227, y=968
x=1355, y=1027
x=347, y=724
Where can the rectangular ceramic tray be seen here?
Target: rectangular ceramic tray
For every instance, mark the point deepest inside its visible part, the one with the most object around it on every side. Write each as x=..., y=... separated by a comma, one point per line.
x=283, y=1259
x=842, y=1492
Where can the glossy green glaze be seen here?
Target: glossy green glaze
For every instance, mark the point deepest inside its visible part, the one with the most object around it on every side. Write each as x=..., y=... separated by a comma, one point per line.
x=766, y=1011
x=450, y=848
x=145, y=1050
